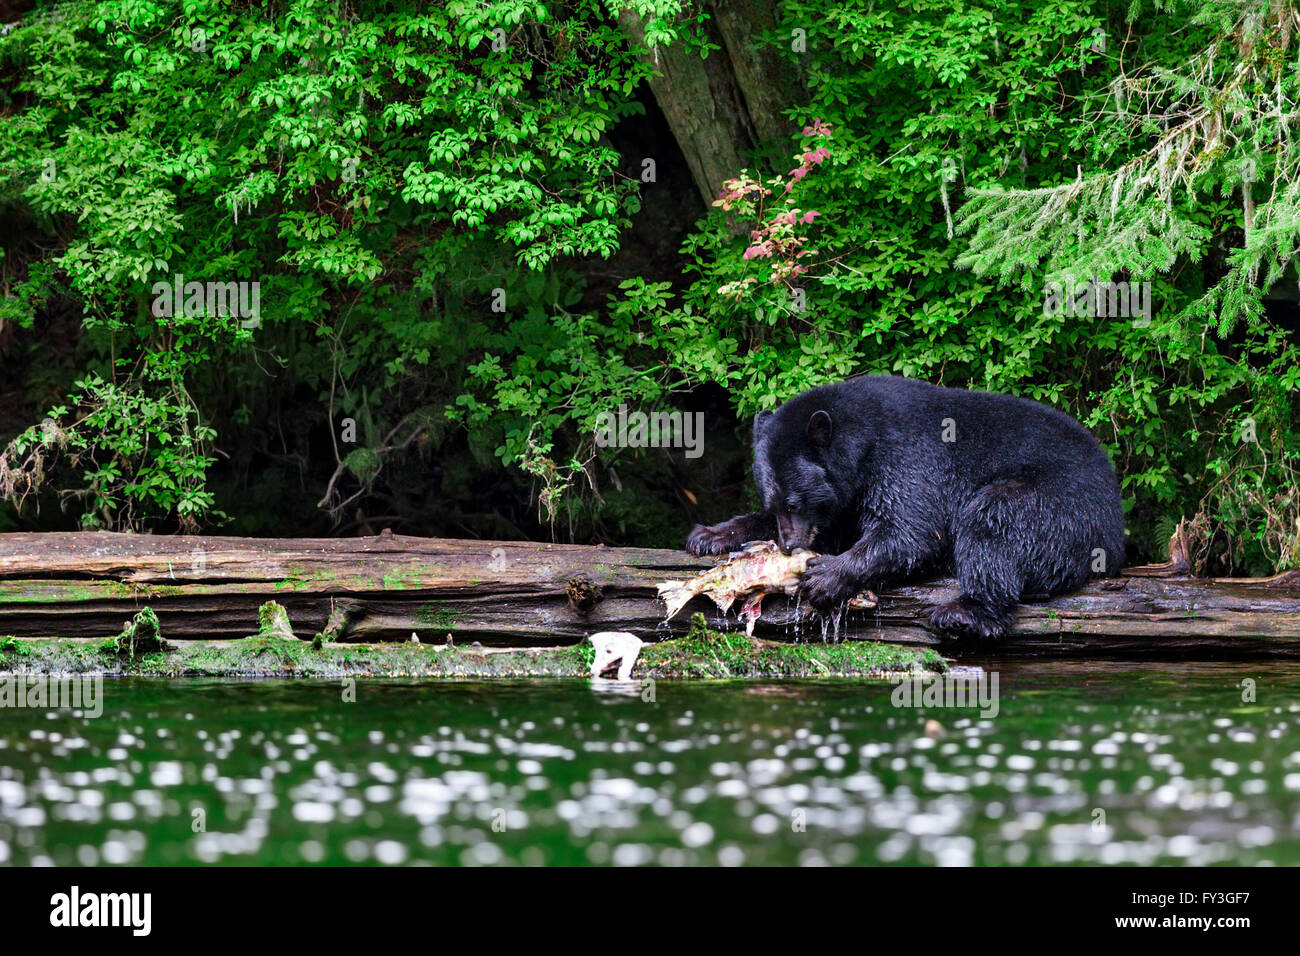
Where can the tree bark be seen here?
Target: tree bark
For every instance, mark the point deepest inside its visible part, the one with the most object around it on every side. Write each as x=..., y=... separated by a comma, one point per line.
x=723, y=107
x=769, y=83
x=528, y=594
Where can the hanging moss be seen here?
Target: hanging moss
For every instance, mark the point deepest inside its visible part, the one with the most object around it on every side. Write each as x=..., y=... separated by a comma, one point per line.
x=364, y=463
x=273, y=621
x=140, y=635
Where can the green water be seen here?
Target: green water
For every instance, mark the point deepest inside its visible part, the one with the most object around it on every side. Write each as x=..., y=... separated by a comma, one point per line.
x=1128, y=763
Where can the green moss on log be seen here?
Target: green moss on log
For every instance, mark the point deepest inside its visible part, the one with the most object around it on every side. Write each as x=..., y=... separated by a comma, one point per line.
x=71, y=592
x=336, y=626
x=438, y=617
x=702, y=654
x=273, y=621
x=140, y=635
x=13, y=646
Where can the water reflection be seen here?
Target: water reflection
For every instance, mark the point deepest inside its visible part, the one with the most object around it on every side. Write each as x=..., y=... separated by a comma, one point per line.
x=1134, y=764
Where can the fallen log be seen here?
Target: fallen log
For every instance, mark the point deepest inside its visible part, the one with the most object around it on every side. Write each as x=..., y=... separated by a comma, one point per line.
x=385, y=587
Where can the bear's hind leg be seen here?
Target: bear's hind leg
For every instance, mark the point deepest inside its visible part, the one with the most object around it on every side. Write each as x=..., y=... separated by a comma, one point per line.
x=972, y=617
x=994, y=543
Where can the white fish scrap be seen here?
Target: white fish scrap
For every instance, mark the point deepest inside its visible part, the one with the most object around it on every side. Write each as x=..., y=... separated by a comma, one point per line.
x=612, y=646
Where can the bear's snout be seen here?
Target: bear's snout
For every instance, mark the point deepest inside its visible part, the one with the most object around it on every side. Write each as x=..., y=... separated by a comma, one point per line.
x=793, y=532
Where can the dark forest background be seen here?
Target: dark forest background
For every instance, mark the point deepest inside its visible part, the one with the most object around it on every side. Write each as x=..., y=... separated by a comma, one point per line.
x=476, y=226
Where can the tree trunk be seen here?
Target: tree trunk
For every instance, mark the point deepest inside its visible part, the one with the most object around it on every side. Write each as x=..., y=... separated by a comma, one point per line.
x=723, y=107
x=769, y=83
x=528, y=594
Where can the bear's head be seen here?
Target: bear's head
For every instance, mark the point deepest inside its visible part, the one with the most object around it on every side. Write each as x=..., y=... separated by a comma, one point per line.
x=791, y=459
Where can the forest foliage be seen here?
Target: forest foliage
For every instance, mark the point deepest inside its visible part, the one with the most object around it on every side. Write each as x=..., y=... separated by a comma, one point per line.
x=423, y=193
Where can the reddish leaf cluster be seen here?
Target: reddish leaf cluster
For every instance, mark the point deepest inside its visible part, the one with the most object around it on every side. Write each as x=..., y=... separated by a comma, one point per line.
x=776, y=238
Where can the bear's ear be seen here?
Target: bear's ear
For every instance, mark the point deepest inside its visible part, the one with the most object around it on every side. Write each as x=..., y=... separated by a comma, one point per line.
x=819, y=428
x=761, y=421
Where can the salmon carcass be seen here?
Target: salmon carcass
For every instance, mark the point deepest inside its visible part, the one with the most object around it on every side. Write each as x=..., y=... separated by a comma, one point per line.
x=757, y=571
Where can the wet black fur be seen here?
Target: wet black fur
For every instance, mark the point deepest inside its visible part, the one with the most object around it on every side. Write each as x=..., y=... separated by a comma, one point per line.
x=1022, y=505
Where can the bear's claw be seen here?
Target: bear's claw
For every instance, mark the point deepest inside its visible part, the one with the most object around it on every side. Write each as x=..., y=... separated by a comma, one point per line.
x=705, y=539
x=825, y=583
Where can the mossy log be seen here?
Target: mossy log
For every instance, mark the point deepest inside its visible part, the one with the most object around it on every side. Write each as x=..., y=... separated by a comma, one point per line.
x=386, y=587
x=701, y=654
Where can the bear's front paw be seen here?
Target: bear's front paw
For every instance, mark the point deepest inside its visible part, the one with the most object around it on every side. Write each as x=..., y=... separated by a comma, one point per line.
x=826, y=583
x=706, y=539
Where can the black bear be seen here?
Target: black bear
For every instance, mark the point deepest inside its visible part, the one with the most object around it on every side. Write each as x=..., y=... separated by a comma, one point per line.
x=891, y=478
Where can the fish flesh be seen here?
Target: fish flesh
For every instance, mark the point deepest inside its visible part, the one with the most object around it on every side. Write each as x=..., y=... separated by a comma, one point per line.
x=757, y=571
x=615, y=647
x=761, y=567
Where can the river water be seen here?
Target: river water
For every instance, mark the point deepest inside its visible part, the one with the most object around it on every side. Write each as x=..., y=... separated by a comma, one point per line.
x=1084, y=762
